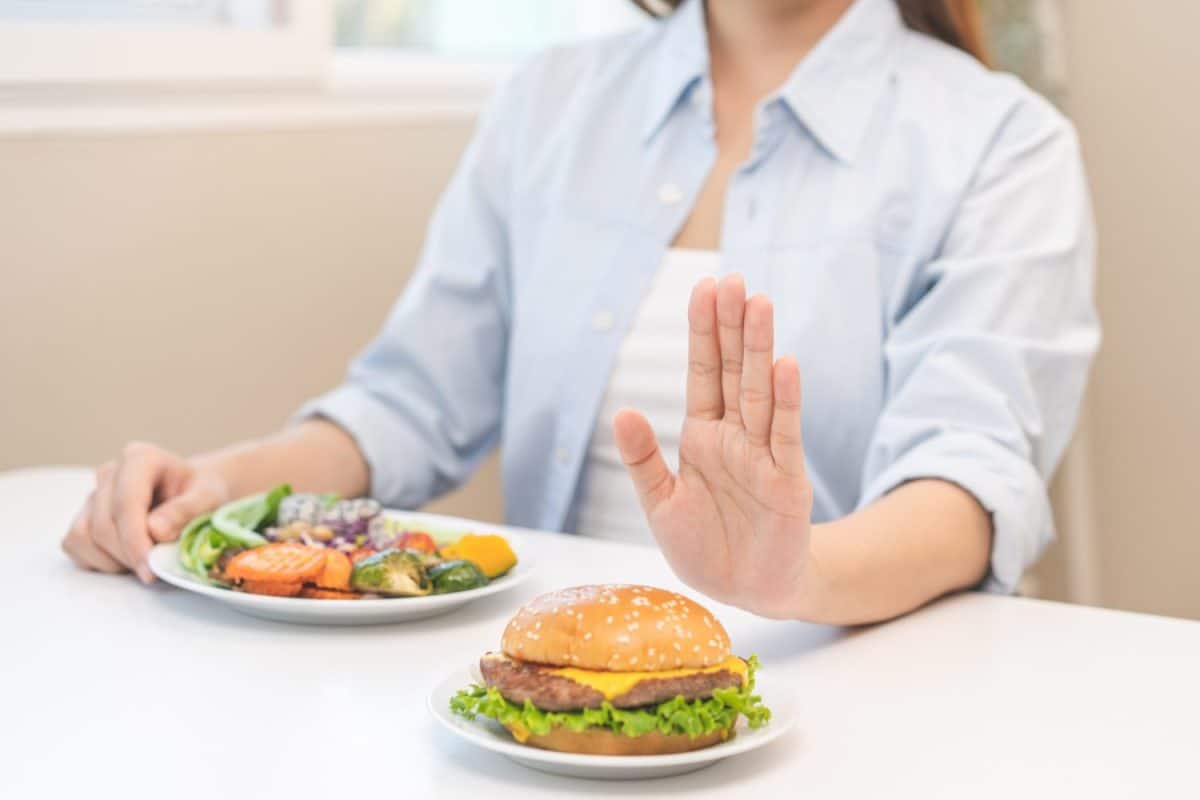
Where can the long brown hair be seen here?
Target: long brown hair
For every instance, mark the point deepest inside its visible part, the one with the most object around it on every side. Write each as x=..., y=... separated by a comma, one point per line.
x=955, y=22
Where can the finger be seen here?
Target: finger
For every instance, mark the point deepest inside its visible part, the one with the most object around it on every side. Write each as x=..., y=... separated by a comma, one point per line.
x=102, y=529
x=731, y=312
x=86, y=554
x=169, y=518
x=757, y=358
x=787, y=443
x=134, y=485
x=181, y=498
x=76, y=533
x=77, y=544
x=704, y=353
x=643, y=458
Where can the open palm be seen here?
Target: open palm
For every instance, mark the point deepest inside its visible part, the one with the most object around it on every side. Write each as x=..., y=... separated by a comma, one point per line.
x=734, y=522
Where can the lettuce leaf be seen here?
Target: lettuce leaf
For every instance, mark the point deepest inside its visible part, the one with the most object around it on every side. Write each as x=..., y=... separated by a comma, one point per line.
x=675, y=716
x=240, y=521
x=187, y=541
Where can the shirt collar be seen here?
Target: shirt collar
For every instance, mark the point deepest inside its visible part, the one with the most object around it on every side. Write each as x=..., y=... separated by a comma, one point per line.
x=682, y=63
x=832, y=92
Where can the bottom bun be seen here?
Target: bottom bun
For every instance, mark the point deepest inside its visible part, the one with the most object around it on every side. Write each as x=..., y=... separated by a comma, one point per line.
x=599, y=742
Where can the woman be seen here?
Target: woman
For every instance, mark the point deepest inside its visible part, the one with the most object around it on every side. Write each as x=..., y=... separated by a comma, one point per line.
x=919, y=233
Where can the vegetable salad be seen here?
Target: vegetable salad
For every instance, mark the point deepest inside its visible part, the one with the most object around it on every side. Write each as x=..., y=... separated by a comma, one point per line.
x=323, y=547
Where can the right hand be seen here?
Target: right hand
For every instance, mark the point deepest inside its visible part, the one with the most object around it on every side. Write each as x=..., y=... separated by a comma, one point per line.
x=148, y=495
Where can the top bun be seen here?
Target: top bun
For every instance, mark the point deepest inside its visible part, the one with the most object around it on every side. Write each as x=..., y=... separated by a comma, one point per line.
x=618, y=628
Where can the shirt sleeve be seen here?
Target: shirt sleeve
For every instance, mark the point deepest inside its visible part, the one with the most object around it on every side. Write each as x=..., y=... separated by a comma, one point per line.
x=987, y=358
x=423, y=401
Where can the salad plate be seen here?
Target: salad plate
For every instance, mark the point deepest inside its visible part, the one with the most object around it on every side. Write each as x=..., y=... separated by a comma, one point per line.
x=165, y=563
x=492, y=736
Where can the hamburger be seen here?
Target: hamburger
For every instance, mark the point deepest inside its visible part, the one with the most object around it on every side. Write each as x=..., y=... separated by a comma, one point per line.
x=615, y=670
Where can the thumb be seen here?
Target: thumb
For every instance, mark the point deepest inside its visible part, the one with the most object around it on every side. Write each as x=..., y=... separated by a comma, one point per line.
x=168, y=520
x=643, y=458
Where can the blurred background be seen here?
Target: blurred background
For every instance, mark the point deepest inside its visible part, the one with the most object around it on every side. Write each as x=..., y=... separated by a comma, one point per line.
x=207, y=207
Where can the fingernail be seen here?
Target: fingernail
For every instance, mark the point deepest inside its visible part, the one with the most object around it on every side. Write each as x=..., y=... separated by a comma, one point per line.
x=145, y=575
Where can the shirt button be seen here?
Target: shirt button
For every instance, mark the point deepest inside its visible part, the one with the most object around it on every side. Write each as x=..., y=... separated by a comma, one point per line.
x=669, y=194
x=603, y=321
x=561, y=455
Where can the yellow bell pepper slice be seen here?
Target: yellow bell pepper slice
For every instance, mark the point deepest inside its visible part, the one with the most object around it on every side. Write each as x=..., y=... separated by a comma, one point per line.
x=489, y=552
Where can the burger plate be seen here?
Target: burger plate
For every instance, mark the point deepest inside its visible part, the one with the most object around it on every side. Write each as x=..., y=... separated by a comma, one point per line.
x=164, y=562
x=490, y=735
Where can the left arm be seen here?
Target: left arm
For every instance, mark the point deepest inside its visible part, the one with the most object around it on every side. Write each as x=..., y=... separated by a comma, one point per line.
x=922, y=540
x=735, y=521
x=987, y=362
x=987, y=359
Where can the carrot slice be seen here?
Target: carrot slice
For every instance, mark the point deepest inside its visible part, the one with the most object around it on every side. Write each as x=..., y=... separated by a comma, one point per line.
x=273, y=588
x=279, y=563
x=328, y=594
x=336, y=574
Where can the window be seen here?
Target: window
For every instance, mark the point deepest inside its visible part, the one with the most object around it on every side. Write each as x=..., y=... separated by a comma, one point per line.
x=235, y=13
x=70, y=41
x=424, y=51
x=476, y=28
x=1025, y=35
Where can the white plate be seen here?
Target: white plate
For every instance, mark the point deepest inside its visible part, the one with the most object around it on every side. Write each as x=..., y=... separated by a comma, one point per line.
x=164, y=562
x=490, y=735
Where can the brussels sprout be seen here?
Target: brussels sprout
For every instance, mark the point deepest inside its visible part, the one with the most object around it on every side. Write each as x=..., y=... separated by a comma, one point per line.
x=456, y=576
x=392, y=572
x=427, y=560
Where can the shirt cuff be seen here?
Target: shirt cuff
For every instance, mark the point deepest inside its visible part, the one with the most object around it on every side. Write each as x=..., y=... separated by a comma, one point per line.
x=388, y=446
x=1005, y=484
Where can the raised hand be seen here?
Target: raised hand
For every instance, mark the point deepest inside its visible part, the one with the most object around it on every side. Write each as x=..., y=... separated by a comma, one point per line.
x=734, y=523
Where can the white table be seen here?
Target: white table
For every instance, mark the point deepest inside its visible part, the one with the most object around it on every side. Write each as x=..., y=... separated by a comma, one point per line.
x=109, y=689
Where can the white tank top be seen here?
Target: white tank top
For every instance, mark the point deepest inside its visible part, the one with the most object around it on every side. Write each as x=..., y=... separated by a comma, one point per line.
x=650, y=375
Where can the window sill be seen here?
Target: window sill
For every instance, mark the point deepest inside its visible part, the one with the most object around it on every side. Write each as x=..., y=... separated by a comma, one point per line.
x=360, y=88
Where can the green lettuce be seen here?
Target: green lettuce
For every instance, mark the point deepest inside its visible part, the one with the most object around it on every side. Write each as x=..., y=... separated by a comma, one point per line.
x=240, y=521
x=675, y=716
x=235, y=524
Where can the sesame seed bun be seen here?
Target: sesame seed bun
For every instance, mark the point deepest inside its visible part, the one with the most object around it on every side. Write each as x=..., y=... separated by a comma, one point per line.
x=618, y=628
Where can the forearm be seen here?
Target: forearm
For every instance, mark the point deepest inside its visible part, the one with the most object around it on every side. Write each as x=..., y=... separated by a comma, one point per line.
x=923, y=540
x=314, y=456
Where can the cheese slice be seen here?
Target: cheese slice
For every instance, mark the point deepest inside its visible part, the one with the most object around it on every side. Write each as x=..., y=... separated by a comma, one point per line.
x=615, y=684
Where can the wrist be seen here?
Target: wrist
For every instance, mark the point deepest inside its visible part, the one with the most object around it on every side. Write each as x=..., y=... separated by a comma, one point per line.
x=230, y=471
x=815, y=597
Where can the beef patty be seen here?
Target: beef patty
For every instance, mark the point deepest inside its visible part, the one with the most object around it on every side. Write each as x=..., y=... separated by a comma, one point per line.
x=519, y=681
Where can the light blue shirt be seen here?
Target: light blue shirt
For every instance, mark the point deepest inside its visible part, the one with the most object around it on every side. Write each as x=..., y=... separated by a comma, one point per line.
x=922, y=224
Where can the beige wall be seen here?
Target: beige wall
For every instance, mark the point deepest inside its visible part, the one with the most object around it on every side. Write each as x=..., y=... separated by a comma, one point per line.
x=1134, y=83
x=193, y=289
